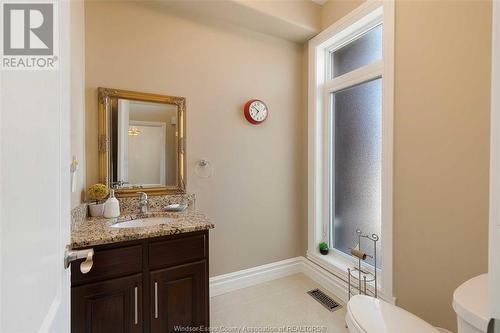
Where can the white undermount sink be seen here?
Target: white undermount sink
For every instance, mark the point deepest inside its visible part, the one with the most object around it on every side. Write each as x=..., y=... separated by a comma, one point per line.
x=139, y=223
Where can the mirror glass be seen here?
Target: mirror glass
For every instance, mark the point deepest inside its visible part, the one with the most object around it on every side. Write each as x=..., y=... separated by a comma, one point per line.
x=144, y=144
x=142, y=140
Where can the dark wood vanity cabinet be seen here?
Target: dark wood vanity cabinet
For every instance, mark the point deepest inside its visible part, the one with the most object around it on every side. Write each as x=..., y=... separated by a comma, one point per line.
x=153, y=285
x=109, y=306
x=179, y=297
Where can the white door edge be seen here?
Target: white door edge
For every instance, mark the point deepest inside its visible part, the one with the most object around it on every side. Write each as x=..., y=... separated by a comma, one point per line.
x=494, y=225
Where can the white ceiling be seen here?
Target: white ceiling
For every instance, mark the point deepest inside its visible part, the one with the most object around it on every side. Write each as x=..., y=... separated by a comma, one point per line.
x=240, y=13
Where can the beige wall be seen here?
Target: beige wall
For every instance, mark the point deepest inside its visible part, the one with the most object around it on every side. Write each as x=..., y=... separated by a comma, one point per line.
x=334, y=10
x=256, y=195
x=441, y=149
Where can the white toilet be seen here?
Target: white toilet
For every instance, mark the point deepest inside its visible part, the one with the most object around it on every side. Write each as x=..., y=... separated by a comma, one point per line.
x=366, y=314
x=470, y=302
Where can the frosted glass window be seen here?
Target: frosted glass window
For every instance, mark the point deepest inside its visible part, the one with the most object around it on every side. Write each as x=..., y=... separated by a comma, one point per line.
x=356, y=164
x=360, y=52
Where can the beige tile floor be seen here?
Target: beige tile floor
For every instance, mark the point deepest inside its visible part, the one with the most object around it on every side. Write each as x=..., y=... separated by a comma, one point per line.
x=268, y=306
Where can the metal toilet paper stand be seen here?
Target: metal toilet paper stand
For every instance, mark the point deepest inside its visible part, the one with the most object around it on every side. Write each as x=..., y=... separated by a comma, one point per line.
x=359, y=273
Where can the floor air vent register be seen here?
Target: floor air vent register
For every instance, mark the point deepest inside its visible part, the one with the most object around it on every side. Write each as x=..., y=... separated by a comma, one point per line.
x=324, y=299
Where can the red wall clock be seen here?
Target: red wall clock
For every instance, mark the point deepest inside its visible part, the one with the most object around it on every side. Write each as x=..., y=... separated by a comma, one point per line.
x=255, y=111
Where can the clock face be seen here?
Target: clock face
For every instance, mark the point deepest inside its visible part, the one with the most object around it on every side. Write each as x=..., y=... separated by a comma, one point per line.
x=256, y=111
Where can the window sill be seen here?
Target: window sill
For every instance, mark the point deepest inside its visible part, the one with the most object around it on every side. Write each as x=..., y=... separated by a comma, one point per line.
x=337, y=264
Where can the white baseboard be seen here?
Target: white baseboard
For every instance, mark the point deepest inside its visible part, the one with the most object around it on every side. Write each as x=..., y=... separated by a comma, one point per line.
x=329, y=281
x=248, y=277
x=222, y=284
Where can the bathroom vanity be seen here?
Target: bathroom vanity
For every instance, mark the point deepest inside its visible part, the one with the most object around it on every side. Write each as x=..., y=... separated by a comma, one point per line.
x=146, y=286
x=147, y=270
x=149, y=279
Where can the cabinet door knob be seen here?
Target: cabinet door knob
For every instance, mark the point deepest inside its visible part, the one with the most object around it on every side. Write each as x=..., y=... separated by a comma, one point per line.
x=156, y=300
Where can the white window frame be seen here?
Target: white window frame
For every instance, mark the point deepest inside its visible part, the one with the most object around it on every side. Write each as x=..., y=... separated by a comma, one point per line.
x=359, y=21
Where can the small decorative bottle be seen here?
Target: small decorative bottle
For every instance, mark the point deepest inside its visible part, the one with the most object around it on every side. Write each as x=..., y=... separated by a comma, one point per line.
x=111, y=206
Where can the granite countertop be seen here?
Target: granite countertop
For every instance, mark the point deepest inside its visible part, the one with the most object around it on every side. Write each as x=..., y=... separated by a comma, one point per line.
x=97, y=231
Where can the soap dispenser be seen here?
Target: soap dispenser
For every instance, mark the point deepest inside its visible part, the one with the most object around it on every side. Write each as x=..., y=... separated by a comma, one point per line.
x=111, y=206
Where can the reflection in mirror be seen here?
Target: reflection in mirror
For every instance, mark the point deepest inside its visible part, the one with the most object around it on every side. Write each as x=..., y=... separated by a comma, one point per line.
x=144, y=144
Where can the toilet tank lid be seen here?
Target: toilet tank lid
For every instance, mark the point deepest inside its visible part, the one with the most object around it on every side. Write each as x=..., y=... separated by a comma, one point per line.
x=374, y=315
x=470, y=302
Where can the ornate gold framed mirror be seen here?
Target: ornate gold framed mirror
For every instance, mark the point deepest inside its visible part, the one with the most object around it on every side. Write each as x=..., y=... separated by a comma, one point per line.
x=142, y=142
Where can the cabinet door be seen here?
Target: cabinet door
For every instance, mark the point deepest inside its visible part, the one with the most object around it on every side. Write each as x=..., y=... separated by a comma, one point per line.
x=109, y=306
x=179, y=297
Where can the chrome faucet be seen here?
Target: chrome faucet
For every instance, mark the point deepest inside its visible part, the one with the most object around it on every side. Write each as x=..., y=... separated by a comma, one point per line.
x=143, y=202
